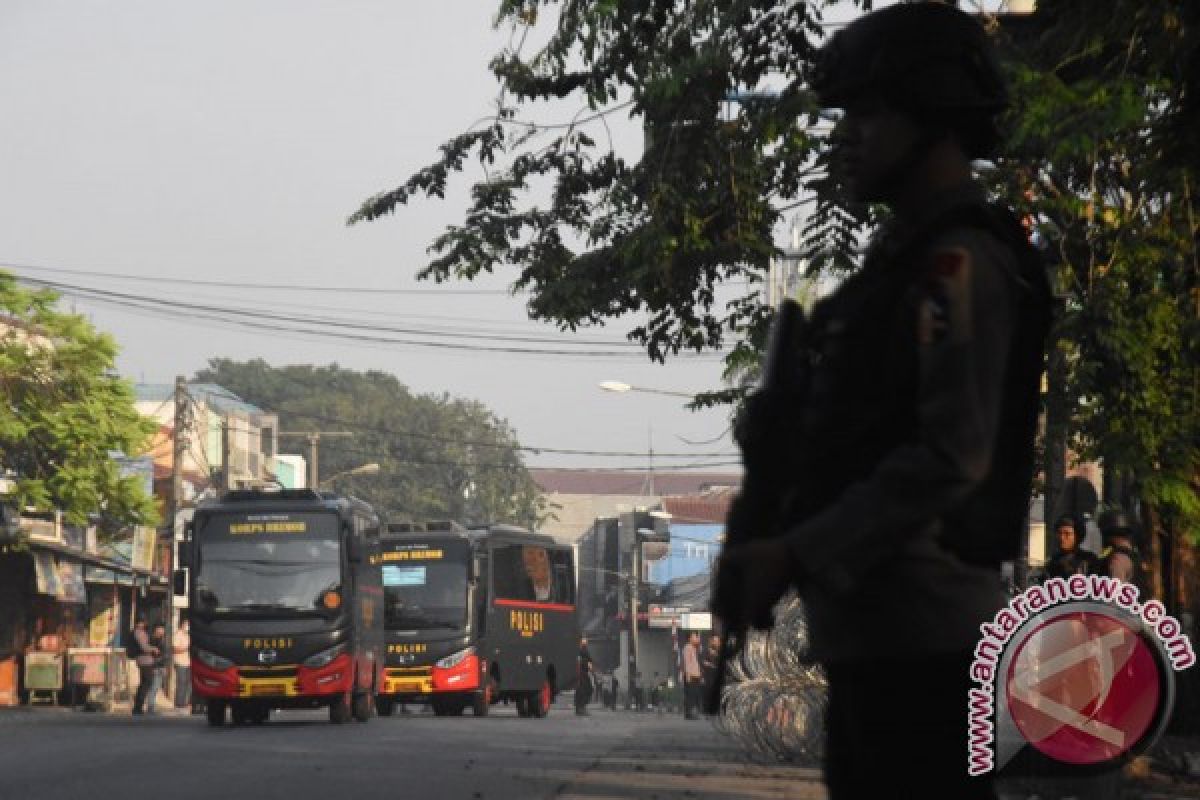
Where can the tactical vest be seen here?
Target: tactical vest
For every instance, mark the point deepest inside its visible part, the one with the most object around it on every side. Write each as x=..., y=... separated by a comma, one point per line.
x=862, y=349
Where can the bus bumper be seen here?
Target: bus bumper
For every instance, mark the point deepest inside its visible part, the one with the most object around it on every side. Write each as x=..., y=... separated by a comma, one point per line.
x=335, y=678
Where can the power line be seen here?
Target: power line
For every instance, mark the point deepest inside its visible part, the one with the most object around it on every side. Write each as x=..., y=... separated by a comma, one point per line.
x=283, y=287
x=252, y=319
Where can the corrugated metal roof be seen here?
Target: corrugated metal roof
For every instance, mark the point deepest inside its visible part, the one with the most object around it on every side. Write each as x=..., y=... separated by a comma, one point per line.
x=214, y=395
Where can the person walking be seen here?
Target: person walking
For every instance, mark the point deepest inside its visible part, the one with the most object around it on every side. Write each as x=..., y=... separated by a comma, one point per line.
x=1071, y=558
x=158, y=640
x=181, y=643
x=584, y=679
x=147, y=656
x=693, y=677
x=907, y=449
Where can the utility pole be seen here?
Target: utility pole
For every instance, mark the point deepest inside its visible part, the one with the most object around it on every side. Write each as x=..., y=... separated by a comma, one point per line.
x=314, y=441
x=634, y=587
x=226, y=471
x=179, y=435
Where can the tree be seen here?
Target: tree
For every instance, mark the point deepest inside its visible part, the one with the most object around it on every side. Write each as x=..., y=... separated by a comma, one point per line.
x=1103, y=158
x=64, y=412
x=654, y=234
x=440, y=457
x=1101, y=161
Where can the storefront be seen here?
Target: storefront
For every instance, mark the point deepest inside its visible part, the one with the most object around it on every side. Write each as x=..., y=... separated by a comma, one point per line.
x=66, y=603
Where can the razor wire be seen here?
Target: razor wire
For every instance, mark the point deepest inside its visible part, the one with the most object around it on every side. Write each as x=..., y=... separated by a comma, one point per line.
x=774, y=698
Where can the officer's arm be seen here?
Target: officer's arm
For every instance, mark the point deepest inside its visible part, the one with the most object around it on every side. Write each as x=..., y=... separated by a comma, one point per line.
x=963, y=331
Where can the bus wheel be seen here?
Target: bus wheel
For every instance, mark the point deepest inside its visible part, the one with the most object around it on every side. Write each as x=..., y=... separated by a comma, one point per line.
x=384, y=706
x=240, y=713
x=480, y=701
x=215, y=709
x=339, y=710
x=260, y=715
x=361, y=706
x=523, y=704
x=440, y=707
x=540, y=701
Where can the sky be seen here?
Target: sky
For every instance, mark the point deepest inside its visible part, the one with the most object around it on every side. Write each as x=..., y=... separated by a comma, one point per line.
x=227, y=142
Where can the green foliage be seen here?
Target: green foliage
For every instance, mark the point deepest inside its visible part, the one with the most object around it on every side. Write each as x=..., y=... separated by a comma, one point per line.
x=656, y=235
x=1096, y=159
x=63, y=412
x=1101, y=155
x=440, y=457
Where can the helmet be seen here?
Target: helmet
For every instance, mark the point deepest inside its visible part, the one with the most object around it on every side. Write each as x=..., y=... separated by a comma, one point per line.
x=1115, y=522
x=922, y=57
x=1068, y=521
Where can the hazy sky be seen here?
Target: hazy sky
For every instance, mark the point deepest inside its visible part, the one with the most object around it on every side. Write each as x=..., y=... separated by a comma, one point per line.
x=228, y=141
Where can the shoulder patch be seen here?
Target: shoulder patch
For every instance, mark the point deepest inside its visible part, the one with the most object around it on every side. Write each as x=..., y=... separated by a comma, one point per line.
x=944, y=308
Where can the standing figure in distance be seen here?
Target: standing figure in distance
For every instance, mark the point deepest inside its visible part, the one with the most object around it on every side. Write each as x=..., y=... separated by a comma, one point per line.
x=908, y=447
x=584, y=679
x=1071, y=559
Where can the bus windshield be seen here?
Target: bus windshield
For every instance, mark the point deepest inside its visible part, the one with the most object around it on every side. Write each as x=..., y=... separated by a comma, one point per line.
x=267, y=563
x=425, y=588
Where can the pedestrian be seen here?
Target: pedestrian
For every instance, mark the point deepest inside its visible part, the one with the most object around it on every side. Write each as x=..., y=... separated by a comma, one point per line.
x=1072, y=558
x=906, y=451
x=147, y=655
x=158, y=640
x=1120, y=558
x=584, y=678
x=181, y=643
x=708, y=664
x=614, y=688
x=693, y=677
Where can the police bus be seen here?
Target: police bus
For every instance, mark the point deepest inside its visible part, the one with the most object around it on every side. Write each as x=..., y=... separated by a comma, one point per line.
x=285, y=604
x=477, y=616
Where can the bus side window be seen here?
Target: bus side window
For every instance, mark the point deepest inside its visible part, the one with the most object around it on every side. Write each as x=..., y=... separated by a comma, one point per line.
x=564, y=580
x=483, y=589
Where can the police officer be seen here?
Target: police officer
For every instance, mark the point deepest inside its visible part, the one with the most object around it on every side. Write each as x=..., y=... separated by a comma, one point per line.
x=1071, y=559
x=916, y=422
x=1120, y=559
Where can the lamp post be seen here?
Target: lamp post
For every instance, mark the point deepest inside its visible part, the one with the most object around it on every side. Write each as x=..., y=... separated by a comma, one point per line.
x=365, y=469
x=621, y=386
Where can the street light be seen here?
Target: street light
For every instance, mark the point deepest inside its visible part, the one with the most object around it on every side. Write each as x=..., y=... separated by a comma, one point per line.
x=620, y=386
x=365, y=469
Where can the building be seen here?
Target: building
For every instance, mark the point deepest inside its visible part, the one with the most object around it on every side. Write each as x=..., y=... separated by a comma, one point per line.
x=229, y=443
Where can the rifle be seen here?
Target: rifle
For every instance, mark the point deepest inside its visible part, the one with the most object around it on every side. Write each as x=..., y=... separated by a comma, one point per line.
x=757, y=508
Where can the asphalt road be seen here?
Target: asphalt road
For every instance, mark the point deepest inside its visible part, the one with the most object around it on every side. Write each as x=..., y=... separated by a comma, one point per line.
x=73, y=755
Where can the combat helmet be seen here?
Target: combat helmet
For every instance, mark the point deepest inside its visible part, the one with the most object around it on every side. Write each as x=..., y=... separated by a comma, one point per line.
x=1116, y=522
x=926, y=58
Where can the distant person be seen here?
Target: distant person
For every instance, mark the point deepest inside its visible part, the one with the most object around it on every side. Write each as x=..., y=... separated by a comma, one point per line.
x=693, y=677
x=708, y=663
x=181, y=644
x=1071, y=558
x=584, y=679
x=1120, y=558
x=147, y=655
x=158, y=639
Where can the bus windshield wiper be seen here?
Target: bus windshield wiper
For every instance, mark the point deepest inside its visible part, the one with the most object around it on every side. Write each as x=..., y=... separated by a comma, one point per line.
x=271, y=607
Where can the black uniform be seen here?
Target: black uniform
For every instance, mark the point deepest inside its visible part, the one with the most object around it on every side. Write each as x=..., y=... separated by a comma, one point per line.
x=916, y=462
x=1073, y=562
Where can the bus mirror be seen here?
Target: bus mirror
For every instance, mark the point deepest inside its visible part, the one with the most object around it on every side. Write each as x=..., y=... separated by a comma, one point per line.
x=180, y=582
x=183, y=555
x=354, y=549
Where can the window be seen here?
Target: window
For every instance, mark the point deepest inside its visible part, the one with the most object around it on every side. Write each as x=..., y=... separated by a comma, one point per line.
x=533, y=574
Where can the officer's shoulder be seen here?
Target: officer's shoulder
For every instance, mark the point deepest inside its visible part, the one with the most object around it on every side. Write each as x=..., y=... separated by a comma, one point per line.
x=977, y=252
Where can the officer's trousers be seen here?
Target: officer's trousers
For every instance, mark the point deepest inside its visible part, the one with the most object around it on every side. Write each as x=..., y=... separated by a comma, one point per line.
x=897, y=729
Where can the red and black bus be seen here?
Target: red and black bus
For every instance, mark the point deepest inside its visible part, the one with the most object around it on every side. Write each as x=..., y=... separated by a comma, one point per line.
x=477, y=616
x=285, y=604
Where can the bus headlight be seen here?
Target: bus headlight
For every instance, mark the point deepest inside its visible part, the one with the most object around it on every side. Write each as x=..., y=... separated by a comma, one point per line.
x=323, y=658
x=212, y=660
x=454, y=659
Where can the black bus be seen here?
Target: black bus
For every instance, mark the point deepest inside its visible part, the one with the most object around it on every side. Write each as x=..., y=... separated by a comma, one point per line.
x=477, y=616
x=285, y=604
